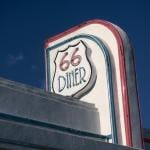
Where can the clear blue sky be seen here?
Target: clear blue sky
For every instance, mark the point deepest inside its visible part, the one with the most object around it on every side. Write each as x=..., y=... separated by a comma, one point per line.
x=26, y=24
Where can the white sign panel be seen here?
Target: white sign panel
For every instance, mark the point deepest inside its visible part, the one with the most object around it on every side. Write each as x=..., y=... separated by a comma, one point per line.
x=80, y=67
x=90, y=62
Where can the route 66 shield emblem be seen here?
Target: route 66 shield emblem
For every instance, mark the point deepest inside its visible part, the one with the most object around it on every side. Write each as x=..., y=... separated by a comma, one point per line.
x=74, y=73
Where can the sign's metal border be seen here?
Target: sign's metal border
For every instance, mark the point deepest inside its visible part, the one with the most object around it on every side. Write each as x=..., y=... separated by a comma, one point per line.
x=108, y=72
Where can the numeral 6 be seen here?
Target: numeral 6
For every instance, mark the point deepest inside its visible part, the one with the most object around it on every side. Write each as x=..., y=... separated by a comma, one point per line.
x=75, y=60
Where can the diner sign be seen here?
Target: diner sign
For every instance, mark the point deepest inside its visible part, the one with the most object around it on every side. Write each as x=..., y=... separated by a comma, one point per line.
x=94, y=63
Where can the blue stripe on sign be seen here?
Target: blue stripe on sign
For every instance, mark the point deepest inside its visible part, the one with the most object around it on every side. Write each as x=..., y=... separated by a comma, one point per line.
x=106, y=55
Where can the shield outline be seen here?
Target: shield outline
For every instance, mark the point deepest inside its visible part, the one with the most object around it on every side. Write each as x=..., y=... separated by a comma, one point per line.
x=90, y=84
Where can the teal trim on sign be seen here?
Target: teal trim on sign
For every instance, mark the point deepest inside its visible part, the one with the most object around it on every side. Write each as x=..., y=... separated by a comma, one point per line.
x=105, y=52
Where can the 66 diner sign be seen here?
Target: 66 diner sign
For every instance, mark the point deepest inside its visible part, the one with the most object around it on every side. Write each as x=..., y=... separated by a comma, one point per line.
x=94, y=62
x=73, y=70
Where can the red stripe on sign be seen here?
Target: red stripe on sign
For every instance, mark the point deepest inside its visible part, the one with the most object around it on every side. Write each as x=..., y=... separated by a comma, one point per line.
x=124, y=89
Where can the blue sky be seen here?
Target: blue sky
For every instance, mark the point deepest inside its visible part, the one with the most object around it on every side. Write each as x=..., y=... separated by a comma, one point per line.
x=26, y=24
